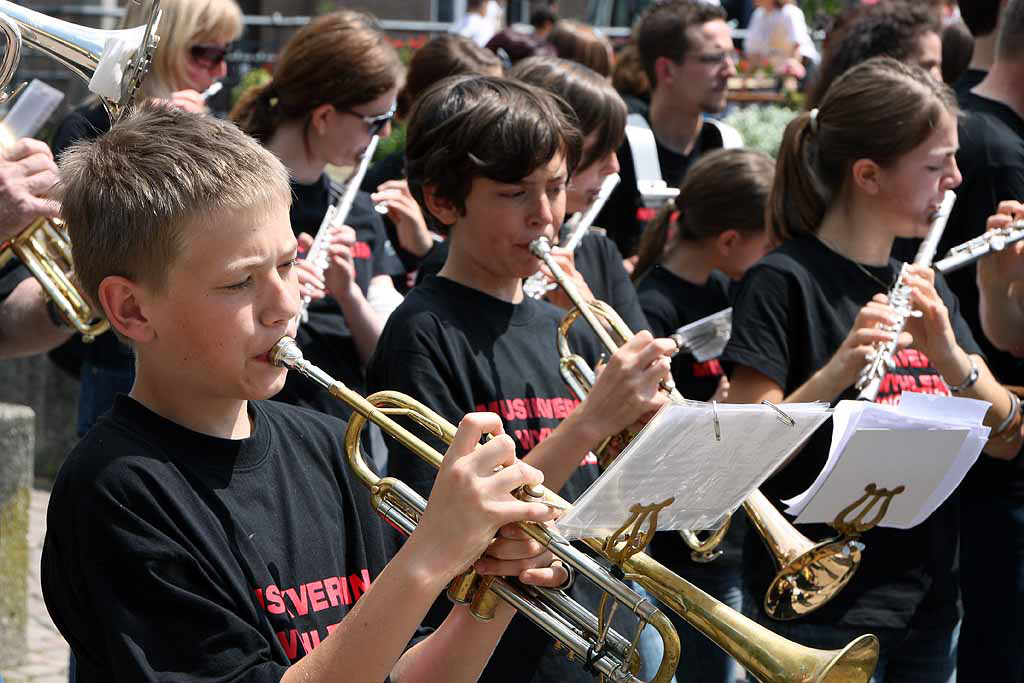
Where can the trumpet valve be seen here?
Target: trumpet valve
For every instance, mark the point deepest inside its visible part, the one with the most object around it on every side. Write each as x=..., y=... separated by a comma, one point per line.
x=462, y=588
x=485, y=601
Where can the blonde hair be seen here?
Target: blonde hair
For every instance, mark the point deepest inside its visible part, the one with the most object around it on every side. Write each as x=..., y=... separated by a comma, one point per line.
x=130, y=196
x=184, y=23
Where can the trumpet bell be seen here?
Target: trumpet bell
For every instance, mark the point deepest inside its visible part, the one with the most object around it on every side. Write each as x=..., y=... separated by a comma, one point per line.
x=811, y=579
x=44, y=249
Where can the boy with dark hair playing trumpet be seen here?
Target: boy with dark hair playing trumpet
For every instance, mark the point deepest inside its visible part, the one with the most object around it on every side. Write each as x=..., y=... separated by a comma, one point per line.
x=200, y=533
x=490, y=159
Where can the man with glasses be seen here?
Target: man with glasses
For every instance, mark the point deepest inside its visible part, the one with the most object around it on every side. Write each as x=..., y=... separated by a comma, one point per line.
x=687, y=51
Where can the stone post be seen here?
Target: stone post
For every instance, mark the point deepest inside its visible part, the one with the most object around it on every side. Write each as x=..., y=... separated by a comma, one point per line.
x=17, y=439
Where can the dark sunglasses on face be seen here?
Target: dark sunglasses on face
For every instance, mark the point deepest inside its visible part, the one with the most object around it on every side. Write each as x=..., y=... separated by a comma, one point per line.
x=208, y=56
x=375, y=124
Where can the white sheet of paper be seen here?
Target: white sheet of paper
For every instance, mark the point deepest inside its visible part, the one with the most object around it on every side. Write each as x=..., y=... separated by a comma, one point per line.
x=677, y=456
x=952, y=409
x=917, y=459
x=845, y=418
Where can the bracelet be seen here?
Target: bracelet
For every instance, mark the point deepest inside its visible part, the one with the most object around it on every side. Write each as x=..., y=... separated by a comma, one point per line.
x=972, y=377
x=1009, y=420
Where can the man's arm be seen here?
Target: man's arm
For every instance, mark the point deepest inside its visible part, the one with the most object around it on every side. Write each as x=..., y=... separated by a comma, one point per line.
x=26, y=327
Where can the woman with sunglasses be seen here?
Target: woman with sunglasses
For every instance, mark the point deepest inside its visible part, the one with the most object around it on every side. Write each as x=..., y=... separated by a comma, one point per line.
x=194, y=39
x=333, y=90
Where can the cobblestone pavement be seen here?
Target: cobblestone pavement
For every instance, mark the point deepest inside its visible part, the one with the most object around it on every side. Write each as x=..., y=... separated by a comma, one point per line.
x=47, y=659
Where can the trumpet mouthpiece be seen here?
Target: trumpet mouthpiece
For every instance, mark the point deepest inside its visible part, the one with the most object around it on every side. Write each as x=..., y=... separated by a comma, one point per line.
x=540, y=247
x=286, y=353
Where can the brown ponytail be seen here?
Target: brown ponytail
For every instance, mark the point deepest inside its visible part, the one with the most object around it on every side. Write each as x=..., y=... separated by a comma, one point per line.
x=726, y=189
x=255, y=111
x=341, y=59
x=879, y=110
x=654, y=241
x=798, y=200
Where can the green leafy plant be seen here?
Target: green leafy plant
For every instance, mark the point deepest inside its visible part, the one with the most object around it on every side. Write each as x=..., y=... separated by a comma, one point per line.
x=761, y=126
x=820, y=12
x=252, y=79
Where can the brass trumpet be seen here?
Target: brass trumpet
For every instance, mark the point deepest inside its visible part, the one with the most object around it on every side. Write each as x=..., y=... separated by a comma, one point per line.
x=114, y=64
x=809, y=574
x=766, y=655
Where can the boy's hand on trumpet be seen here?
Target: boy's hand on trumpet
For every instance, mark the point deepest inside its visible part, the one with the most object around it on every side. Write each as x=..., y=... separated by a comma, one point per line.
x=628, y=387
x=472, y=499
x=513, y=553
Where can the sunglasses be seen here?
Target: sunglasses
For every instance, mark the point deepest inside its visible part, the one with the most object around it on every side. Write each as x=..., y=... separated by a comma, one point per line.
x=375, y=124
x=208, y=56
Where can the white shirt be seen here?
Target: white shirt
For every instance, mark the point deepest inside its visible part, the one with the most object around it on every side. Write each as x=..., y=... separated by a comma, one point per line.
x=475, y=27
x=775, y=32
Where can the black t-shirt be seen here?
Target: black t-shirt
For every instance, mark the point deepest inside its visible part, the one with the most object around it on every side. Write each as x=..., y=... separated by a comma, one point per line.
x=669, y=302
x=791, y=313
x=325, y=339
x=174, y=555
x=599, y=262
x=459, y=350
x=624, y=216
x=11, y=275
x=968, y=81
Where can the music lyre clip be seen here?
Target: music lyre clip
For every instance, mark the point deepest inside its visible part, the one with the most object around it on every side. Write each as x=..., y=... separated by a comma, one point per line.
x=873, y=495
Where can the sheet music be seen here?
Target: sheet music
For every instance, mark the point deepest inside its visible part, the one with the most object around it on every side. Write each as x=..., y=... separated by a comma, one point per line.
x=926, y=444
x=677, y=456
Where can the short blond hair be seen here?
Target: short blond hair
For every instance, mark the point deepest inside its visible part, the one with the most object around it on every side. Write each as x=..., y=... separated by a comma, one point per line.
x=130, y=196
x=184, y=23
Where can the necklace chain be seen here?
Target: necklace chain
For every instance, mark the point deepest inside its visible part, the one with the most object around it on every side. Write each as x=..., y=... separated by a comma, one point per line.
x=862, y=269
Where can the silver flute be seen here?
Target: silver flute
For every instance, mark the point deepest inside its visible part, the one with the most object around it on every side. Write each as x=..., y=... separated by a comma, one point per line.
x=537, y=285
x=965, y=254
x=335, y=216
x=881, y=359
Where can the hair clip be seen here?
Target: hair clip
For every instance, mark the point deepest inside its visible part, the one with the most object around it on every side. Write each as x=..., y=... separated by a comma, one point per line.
x=814, y=120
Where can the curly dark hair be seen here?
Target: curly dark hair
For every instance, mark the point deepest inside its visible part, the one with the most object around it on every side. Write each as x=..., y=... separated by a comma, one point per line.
x=888, y=29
